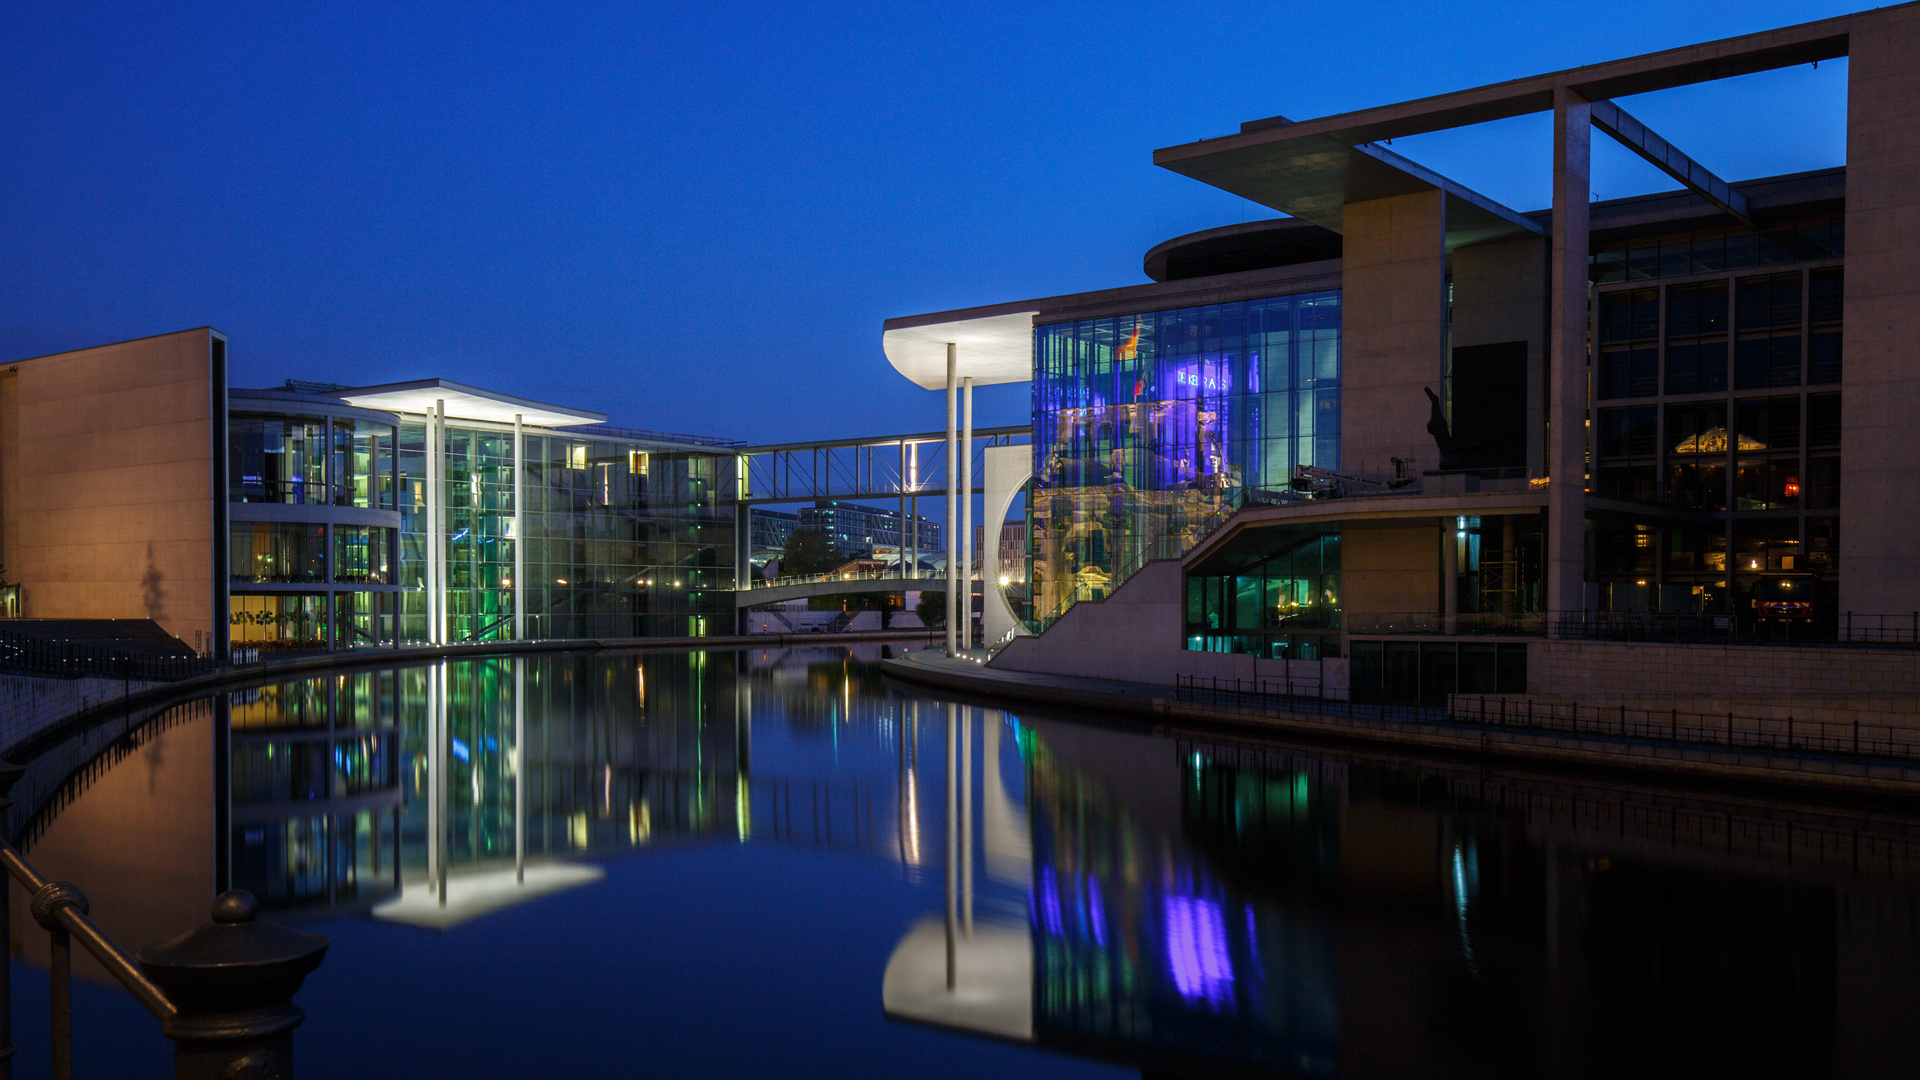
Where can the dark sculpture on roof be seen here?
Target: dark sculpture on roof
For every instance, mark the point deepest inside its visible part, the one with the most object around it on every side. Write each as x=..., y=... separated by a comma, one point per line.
x=1452, y=455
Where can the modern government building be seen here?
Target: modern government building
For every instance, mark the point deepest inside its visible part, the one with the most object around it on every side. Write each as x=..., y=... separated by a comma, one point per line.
x=1403, y=426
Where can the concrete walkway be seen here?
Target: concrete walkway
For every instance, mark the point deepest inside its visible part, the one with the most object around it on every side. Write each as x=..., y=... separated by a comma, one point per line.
x=1428, y=730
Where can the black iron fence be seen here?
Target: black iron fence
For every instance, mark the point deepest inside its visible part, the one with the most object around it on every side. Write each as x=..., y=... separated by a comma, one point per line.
x=1845, y=628
x=79, y=659
x=1839, y=739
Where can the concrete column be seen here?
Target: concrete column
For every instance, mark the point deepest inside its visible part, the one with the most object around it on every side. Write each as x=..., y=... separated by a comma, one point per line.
x=953, y=366
x=1393, y=329
x=1567, y=354
x=519, y=537
x=1879, y=395
x=901, y=545
x=966, y=514
x=1449, y=575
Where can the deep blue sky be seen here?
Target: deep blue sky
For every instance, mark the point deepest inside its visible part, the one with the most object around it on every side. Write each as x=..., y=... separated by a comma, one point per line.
x=694, y=217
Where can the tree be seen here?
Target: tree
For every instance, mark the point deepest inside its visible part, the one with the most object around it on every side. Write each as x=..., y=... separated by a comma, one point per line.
x=932, y=608
x=808, y=552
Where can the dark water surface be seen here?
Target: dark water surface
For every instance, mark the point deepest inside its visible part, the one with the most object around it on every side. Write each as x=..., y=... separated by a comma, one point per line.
x=735, y=864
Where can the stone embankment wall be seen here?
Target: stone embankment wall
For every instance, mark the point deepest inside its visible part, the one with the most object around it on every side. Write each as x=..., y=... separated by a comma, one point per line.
x=31, y=704
x=1869, y=685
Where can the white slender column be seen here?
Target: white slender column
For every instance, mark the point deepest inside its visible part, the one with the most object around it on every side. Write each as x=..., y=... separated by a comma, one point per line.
x=439, y=498
x=900, y=544
x=953, y=365
x=519, y=535
x=427, y=529
x=966, y=513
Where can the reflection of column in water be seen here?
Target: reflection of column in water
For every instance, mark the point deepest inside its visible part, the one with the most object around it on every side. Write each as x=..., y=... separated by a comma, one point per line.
x=519, y=726
x=953, y=838
x=437, y=779
x=743, y=758
x=966, y=820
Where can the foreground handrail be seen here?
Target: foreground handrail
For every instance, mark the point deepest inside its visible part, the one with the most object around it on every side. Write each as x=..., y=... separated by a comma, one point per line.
x=62, y=909
x=235, y=977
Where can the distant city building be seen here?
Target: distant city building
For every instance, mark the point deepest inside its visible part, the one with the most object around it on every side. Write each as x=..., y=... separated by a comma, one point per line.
x=768, y=530
x=857, y=529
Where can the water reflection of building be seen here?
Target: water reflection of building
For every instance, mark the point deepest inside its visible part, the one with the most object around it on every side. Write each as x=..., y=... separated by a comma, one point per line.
x=1202, y=907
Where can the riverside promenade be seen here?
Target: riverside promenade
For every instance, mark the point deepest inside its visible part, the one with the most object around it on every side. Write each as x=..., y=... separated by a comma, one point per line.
x=1745, y=750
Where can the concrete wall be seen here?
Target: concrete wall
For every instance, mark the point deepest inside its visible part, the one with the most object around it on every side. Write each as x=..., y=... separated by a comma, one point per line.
x=108, y=460
x=1392, y=330
x=1880, y=397
x=1872, y=685
x=1500, y=295
x=1389, y=569
x=1136, y=635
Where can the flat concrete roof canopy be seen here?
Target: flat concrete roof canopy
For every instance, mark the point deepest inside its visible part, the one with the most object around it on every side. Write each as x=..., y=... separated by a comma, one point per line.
x=465, y=403
x=1310, y=168
x=994, y=349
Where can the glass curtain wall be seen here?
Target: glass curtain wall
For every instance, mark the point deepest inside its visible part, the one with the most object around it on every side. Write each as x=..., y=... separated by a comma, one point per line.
x=1716, y=390
x=1146, y=425
x=320, y=461
x=621, y=539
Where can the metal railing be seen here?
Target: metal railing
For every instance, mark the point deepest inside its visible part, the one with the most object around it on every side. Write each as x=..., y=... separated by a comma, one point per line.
x=76, y=659
x=61, y=910
x=851, y=575
x=1845, y=629
x=591, y=430
x=1786, y=736
x=230, y=1012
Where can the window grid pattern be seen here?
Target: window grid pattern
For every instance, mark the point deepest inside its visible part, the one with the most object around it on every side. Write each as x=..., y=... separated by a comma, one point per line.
x=1146, y=423
x=1720, y=395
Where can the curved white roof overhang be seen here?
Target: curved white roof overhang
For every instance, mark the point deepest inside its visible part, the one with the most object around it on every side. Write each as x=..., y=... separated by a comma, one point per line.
x=994, y=349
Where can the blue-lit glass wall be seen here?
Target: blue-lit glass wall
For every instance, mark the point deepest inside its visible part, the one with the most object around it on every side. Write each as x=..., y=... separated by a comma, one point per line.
x=1145, y=425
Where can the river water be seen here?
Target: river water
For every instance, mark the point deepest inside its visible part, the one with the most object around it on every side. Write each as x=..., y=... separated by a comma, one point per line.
x=719, y=864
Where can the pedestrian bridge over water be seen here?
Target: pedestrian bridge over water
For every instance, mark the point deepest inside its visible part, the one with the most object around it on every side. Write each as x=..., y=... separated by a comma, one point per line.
x=800, y=587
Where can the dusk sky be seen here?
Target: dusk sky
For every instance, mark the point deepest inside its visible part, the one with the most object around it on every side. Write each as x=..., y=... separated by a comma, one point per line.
x=694, y=217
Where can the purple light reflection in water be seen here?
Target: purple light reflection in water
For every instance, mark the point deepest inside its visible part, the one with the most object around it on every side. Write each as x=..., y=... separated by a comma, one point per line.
x=1197, y=950
x=1050, y=902
x=1096, y=912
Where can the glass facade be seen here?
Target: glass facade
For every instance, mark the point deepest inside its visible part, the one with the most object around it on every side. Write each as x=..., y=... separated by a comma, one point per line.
x=1717, y=391
x=1146, y=425
x=622, y=539
x=1272, y=592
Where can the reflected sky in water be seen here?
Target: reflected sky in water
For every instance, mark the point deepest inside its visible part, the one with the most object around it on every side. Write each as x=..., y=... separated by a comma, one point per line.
x=766, y=838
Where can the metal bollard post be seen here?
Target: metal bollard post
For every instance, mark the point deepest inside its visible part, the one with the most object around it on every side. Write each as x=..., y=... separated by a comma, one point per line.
x=233, y=981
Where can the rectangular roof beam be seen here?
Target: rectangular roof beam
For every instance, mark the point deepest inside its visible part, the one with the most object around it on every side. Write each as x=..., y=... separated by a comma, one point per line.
x=1664, y=156
x=1785, y=47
